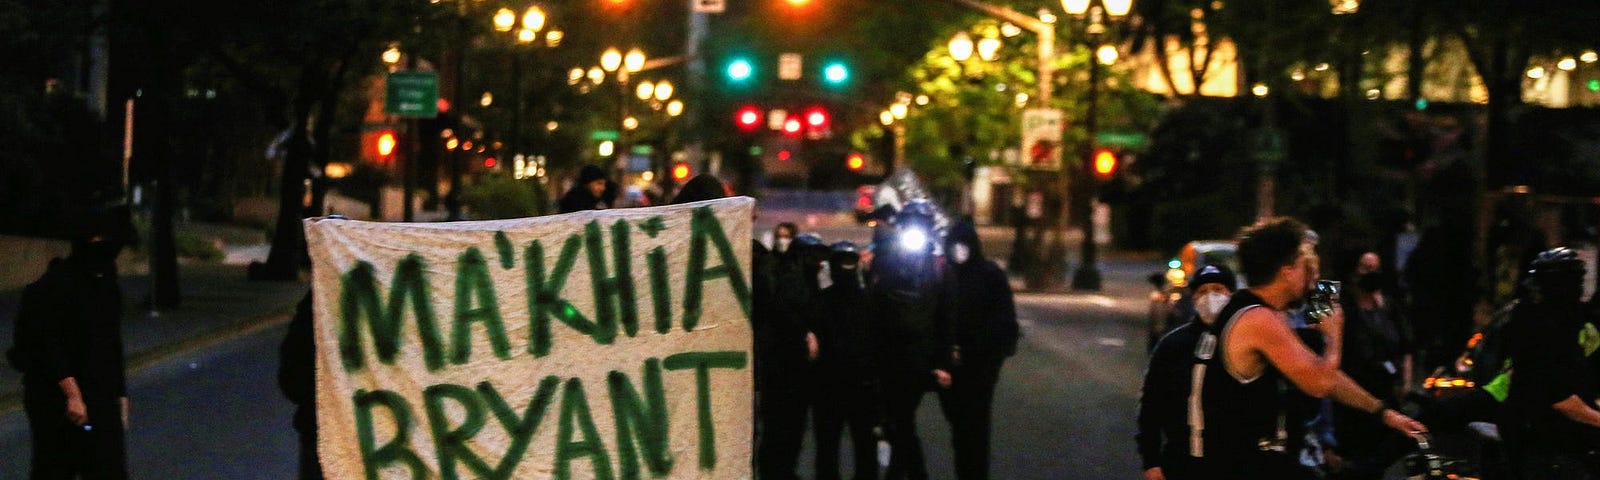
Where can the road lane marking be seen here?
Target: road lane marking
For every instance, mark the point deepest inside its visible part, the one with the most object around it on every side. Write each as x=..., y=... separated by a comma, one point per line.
x=1111, y=342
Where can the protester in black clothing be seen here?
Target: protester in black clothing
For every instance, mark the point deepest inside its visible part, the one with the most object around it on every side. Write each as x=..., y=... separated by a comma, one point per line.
x=297, y=379
x=68, y=346
x=985, y=334
x=1258, y=358
x=847, y=336
x=1377, y=355
x=915, y=297
x=1550, y=426
x=786, y=386
x=588, y=192
x=1164, y=431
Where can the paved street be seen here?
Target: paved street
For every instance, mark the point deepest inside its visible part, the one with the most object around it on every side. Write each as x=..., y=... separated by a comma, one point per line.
x=1065, y=402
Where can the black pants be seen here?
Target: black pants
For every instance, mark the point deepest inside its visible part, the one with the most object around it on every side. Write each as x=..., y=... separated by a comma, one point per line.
x=968, y=405
x=63, y=451
x=305, y=424
x=1546, y=462
x=858, y=406
x=902, y=396
x=783, y=428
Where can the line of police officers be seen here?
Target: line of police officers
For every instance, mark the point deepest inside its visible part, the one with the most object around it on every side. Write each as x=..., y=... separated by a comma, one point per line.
x=859, y=335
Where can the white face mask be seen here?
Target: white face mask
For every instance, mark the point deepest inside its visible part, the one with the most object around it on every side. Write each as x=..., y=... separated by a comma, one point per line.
x=1209, y=305
x=960, y=252
x=783, y=244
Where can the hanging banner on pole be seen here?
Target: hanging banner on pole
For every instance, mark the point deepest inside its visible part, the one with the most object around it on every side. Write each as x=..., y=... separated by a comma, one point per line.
x=1041, y=138
x=605, y=344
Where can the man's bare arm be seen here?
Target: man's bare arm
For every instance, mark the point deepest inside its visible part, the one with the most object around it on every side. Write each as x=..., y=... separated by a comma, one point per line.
x=1262, y=330
x=1574, y=408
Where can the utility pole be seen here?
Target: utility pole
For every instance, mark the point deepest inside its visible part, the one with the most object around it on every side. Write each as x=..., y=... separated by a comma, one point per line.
x=695, y=86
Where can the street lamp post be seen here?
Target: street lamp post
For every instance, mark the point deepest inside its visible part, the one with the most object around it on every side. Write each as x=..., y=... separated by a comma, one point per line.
x=1088, y=275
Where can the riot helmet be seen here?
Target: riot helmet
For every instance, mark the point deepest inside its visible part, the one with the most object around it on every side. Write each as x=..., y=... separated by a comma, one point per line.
x=1555, y=276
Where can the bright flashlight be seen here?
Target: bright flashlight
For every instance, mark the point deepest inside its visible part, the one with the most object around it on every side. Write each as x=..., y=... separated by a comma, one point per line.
x=913, y=240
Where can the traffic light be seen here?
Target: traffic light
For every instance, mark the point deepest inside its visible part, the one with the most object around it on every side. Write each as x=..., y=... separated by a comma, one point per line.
x=1105, y=163
x=748, y=117
x=817, y=117
x=740, y=70
x=386, y=143
x=836, y=73
x=680, y=171
x=856, y=162
x=490, y=162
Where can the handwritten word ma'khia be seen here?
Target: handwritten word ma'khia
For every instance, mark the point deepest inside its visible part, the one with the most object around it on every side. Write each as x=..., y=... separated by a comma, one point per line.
x=641, y=420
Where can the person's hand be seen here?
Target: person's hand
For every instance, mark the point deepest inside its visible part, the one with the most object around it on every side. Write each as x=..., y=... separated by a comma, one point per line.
x=1154, y=473
x=77, y=412
x=943, y=378
x=1334, y=322
x=1402, y=423
x=811, y=346
x=124, y=413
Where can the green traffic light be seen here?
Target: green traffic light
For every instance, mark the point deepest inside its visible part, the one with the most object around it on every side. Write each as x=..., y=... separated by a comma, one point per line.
x=740, y=70
x=836, y=73
x=1594, y=85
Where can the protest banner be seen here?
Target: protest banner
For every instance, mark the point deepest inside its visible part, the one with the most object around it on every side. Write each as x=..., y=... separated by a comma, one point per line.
x=609, y=344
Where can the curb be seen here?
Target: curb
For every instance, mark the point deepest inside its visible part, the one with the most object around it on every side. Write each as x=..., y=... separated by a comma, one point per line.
x=12, y=402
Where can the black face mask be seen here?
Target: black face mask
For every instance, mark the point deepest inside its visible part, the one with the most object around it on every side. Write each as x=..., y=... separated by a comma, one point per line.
x=1370, y=282
x=99, y=255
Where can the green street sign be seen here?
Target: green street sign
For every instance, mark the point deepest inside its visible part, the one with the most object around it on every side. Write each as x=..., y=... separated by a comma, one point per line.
x=643, y=150
x=603, y=135
x=412, y=94
x=1133, y=140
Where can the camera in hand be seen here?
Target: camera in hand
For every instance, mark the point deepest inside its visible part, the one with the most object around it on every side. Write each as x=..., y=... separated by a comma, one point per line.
x=1321, y=301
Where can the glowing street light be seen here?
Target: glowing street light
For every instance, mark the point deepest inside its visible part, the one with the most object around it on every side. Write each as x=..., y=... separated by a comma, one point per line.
x=611, y=60
x=1075, y=7
x=596, y=75
x=1107, y=54
x=1119, y=8
x=630, y=123
x=1260, y=90
x=533, y=19
x=988, y=48
x=1589, y=56
x=1567, y=64
x=527, y=36
x=392, y=55
x=664, y=90
x=1345, y=7
x=961, y=47
x=674, y=108
x=646, y=90
x=504, y=19
x=634, y=61
x=486, y=100
x=899, y=111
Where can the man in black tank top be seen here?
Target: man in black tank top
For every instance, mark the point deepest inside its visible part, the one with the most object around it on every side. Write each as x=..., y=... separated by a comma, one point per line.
x=1258, y=357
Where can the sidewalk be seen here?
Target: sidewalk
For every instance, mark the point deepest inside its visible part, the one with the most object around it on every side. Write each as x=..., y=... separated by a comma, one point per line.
x=218, y=304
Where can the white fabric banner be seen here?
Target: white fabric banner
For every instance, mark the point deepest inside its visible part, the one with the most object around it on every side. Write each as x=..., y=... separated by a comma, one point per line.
x=608, y=344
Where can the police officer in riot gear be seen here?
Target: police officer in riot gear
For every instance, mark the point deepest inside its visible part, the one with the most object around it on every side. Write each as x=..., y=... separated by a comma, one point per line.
x=915, y=299
x=1550, y=424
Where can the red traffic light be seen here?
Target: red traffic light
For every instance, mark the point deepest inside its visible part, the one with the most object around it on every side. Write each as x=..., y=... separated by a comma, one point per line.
x=680, y=171
x=856, y=162
x=749, y=117
x=490, y=162
x=784, y=155
x=816, y=117
x=1105, y=162
x=386, y=143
